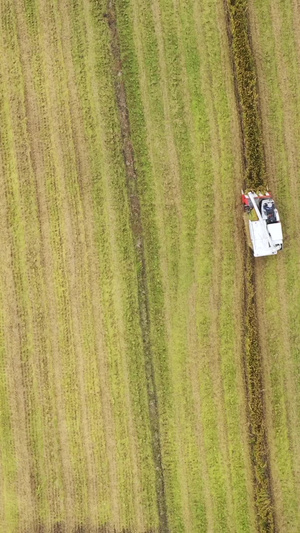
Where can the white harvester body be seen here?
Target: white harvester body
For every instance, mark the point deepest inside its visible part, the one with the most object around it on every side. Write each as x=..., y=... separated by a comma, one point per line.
x=264, y=223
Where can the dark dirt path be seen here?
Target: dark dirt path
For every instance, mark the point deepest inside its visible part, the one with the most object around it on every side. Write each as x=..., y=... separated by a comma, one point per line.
x=138, y=238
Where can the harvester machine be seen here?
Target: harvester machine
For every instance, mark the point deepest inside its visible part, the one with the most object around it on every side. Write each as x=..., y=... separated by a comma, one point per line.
x=263, y=224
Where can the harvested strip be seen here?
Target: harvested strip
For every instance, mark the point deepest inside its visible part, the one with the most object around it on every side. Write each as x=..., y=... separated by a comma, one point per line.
x=247, y=95
x=133, y=502
x=137, y=232
x=161, y=148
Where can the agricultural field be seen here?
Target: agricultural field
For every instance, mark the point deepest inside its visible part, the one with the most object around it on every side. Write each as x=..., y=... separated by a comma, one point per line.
x=126, y=405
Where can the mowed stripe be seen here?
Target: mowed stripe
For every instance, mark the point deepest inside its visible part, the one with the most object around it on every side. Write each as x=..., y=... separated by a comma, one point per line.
x=130, y=418
x=22, y=279
x=280, y=104
x=55, y=373
x=196, y=122
x=90, y=308
x=179, y=512
x=55, y=376
x=106, y=465
x=78, y=275
x=66, y=255
x=132, y=501
x=184, y=132
x=36, y=119
x=201, y=80
x=185, y=512
x=165, y=165
x=186, y=28
x=226, y=295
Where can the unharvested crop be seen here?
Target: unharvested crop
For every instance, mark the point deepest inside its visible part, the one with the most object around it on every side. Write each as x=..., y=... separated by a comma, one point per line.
x=247, y=93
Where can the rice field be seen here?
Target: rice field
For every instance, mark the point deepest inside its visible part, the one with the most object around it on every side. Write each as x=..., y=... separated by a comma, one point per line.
x=123, y=405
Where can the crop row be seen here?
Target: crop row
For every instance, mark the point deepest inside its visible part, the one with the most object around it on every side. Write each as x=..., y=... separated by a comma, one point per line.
x=247, y=93
x=245, y=73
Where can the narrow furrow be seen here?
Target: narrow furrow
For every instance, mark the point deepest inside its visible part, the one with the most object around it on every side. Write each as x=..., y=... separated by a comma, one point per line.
x=138, y=239
x=254, y=170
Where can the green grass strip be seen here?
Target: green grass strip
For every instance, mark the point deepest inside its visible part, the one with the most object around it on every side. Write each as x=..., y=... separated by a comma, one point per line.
x=109, y=162
x=142, y=271
x=9, y=513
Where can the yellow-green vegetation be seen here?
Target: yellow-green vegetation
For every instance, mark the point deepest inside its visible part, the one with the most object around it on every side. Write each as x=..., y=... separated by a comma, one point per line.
x=272, y=319
x=247, y=91
x=276, y=47
x=246, y=79
x=204, y=374
x=256, y=408
x=253, y=215
x=122, y=385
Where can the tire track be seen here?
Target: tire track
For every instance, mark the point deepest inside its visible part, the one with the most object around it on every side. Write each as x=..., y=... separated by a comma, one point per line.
x=254, y=162
x=138, y=239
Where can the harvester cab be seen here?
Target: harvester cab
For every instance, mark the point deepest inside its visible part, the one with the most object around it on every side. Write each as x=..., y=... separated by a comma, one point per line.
x=263, y=224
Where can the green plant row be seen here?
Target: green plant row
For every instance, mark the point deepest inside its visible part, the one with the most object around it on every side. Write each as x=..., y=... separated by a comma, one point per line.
x=109, y=194
x=217, y=101
x=190, y=267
